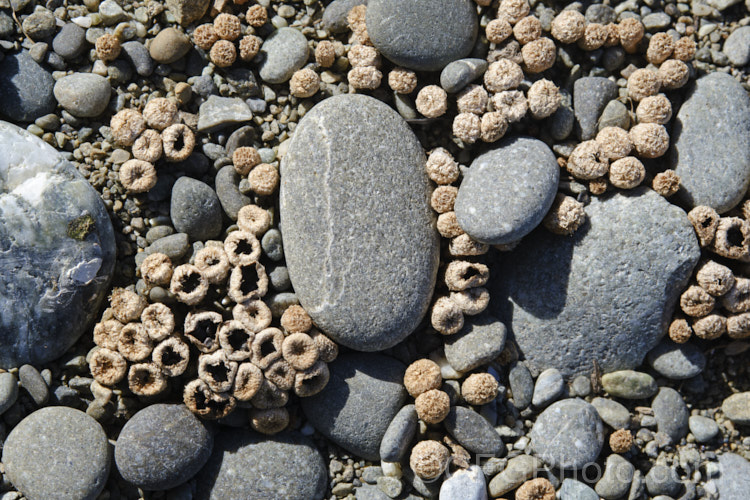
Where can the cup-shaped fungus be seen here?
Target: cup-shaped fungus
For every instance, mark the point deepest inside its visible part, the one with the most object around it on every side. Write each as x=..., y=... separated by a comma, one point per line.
x=255, y=315
x=188, y=284
x=267, y=347
x=247, y=382
x=158, y=321
x=311, y=381
x=199, y=399
x=146, y=379
x=134, y=343
x=201, y=329
x=108, y=367
x=172, y=356
x=248, y=282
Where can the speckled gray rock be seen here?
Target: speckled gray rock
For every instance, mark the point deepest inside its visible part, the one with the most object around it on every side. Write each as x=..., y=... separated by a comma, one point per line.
x=711, y=143
x=137, y=54
x=8, y=391
x=273, y=245
x=281, y=54
x=676, y=361
x=458, y=74
x=464, y=484
x=227, y=189
x=737, y=408
x=568, y=302
x=472, y=431
x=671, y=414
x=576, y=490
x=481, y=340
x=187, y=11
x=84, y=95
x=569, y=434
x=429, y=33
x=521, y=385
x=25, y=88
x=612, y=413
x=615, y=114
x=518, y=470
x=561, y=123
x=734, y=477
x=69, y=41
x=257, y=467
x=33, y=455
x=363, y=395
x=617, y=477
x=663, y=480
x=397, y=438
x=195, y=209
x=602, y=14
x=507, y=191
x=549, y=385
x=218, y=112
x=703, y=428
x=737, y=46
x=162, y=446
x=629, y=384
x=363, y=266
x=334, y=16
x=32, y=382
x=39, y=25
x=58, y=250
x=590, y=95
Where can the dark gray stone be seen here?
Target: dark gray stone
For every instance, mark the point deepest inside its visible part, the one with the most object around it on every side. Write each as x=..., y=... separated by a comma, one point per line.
x=256, y=467
x=39, y=25
x=615, y=114
x=521, y=385
x=397, y=438
x=734, y=477
x=195, y=209
x=429, y=33
x=671, y=414
x=737, y=46
x=663, y=480
x=549, y=386
x=458, y=74
x=576, y=490
x=711, y=143
x=70, y=41
x=58, y=250
x=281, y=54
x=227, y=189
x=629, y=384
x=481, y=340
x=464, y=484
x=704, y=429
x=25, y=88
x=8, y=391
x=567, y=300
x=242, y=137
x=676, y=361
x=174, y=246
x=137, y=54
x=32, y=381
x=162, y=446
x=273, y=245
x=507, y=191
x=363, y=266
x=612, y=413
x=364, y=393
x=518, y=470
x=561, y=123
x=569, y=434
x=84, y=95
x=334, y=16
x=57, y=452
x=602, y=14
x=7, y=26
x=590, y=95
x=472, y=431
x=617, y=478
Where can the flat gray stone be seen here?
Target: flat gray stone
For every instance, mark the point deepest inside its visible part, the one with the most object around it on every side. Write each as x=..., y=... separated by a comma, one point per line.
x=703, y=428
x=335, y=13
x=25, y=88
x=57, y=452
x=69, y=41
x=671, y=414
x=711, y=143
x=737, y=408
x=549, y=385
x=568, y=301
x=676, y=361
x=458, y=74
x=464, y=484
x=363, y=265
x=590, y=95
x=472, y=431
x=612, y=413
x=629, y=384
x=162, y=446
x=576, y=490
x=507, y=191
x=569, y=434
x=84, y=95
x=399, y=434
x=617, y=477
x=737, y=46
x=429, y=33
x=364, y=393
x=195, y=209
x=281, y=54
x=252, y=466
x=481, y=340
x=734, y=477
x=219, y=112
x=58, y=250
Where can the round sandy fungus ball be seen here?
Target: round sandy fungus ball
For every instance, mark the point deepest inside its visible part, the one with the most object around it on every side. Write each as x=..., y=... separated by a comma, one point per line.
x=479, y=389
x=429, y=459
x=432, y=406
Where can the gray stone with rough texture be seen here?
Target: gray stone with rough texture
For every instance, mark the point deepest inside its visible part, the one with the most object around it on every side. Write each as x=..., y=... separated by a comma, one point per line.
x=703, y=428
x=69, y=41
x=663, y=480
x=518, y=470
x=363, y=265
x=227, y=189
x=281, y=54
x=458, y=74
x=734, y=477
x=612, y=413
x=671, y=414
x=617, y=477
x=737, y=46
x=33, y=383
x=257, y=467
x=195, y=209
x=472, y=431
x=521, y=385
x=25, y=88
x=218, y=112
x=162, y=446
x=481, y=340
x=711, y=143
x=8, y=391
x=569, y=434
x=464, y=484
x=397, y=438
x=429, y=33
x=84, y=95
x=629, y=384
x=568, y=301
x=364, y=393
x=737, y=408
x=58, y=250
x=549, y=385
x=334, y=16
x=57, y=452
x=507, y=191
x=676, y=361
x=576, y=490
x=590, y=95
x=187, y=11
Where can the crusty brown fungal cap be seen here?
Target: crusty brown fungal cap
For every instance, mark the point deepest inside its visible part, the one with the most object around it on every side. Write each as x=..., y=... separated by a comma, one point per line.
x=660, y=47
x=613, y=35
x=447, y=225
x=696, y=302
x=201, y=329
x=223, y=53
x=673, y=74
x=650, y=140
x=295, y=319
x=156, y=269
x=311, y=381
x=304, y=83
x=247, y=382
x=325, y=54
x=714, y=278
x=126, y=126
x=680, y=331
x=199, y=399
x=204, y=36
x=188, y=284
x=568, y=26
x=643, y=83
x=227, y=26
x=595, y=35
x=432, y=406
x=217, y=371
x=363, y=55
x=705, y=221
x=527, y=30
x=467, y=127
x=441, y=167
x=732, y=238
x=737, y=299
x=443, y=198
x=148, y=147
x=536, y=489
x=472, y=99
x=479, y=388
x=107, y=47
x=267, y=347
x=244, y=159
x=300, y=351
x=539, y=55
x=126, y=305
x=269, y=396
x=281, y=374
x=270, y=421
x=462, y=274
x=614, y=143
x=108, y=367
x=236, y=340
x=255, y=315
x=446, y=317
x=429, y=459
x=365, y=77
x=253, y=219
x=493, y=126
x=621, y=441
x=178, y=142
x=587, y=161
x=738, y=326
x=263, y=179
x=402, y=80
x=710, y=327
x=158, y=321
x=598, y=186
x=421, y=376
x=503, y=75
x=213, y=262
x=134, y=343
x=684, y=49
x=654, y=109
x=511, y=103
x=464, y=245
x=137, y=176
x=543, y=98
x=146, y=379
x=513, y=10
x=498, y=30
x=432, y=101
x=256, y=16
x=631, y=32
x=627, y=173
x=160, y=113
x=248, y=282
x=472, y=301
x=328, y=350
x=565, y=216
x=172, y=357
x=107, y=334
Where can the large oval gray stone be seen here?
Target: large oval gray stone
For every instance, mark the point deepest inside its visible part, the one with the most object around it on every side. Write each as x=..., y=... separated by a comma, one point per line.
x=734, y=477
x=359, y=234
x=422, y=34
x=84, y=95
x=57, y=247
x=606, y=294
x=25, y=88
x=282, y=53
x=711, y=143
x=507, y=191
x=363, y=395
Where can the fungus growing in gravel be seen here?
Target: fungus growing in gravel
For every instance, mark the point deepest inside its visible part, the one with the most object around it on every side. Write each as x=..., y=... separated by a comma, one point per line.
x=108, y=47
x=503, y=75
x=650, y=140
x=462, y=274
x=732, y=238
x=621, y=441
x=511, y=103
x=236, y=340
x=242, y=247
x=249, y=47
x=443, y=198
x=737, y=299
x=253, y=219
x=223, y=53
x=137, y=176
x=263, y=179
x=680, y=331
x=527, y=30
x=539, y=55
x=565, y=216
x=269, y=396
x=429, y=459
x=295, y=319
x=145, y=379
x=281, y=374
x=328, y=350
x=441, y=167
x=248, y=282
x=304, y=83
x=627, y=173
x=325, y=54
x=684, y=49
x=402, y=80
x=432, y=406
x=614, y=143
x=513, y=10
x=148, y=147
x=536, y=489
x=255, y=315
x=543, y=98
x=696, y=302
x=244, y=159
x=673, y=74
x=267, y=347
x=738, y=327
x=493, y=126
x=158, y=321
x=156, y=269
x=108, y=367
x=188, y=284
x=654, y=109
x=705, y=221
x=432, y=101
x=126, y=305
x=498, y=30
x=300, y=351
x=598, y=186
x=421, y=376
x=586, y=161
x=446, y=316
x=714, y=278
x=201, y=330
x=270, y=421
x=256, y=16
x=357, y=24
x=160, y=113
x=568, y=26
x=472, y=99
x=126, y=126
x=631, y=33
x=472, y=301
x=479, y=389
x=247, y=381
x=217, y=371
x=365, y=77
x=178, y=142
x=171, y=356
x=199, y=399
x=107, y=334
x=710, y=327
x=660, y=47
x=213, y=263
x=227, y=26
x=467, y=127
x=643, y=83
x=204, y=36
x=363, y=55
x=447, y=225
x=595, y=35
x=464, y=245
x=666, y=183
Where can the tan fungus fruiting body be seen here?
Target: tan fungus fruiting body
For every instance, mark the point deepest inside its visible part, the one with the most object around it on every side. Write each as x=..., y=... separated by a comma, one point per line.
x=107, y=366
x=402, y=80
x=462, y=274
x=281, y=374
x=363, y=55
x=213, y=263
x=498, y=30
x=503, y=75
x=650, y=140
x=244, y=159
x=201, y=330
x=217, y=371
x=171, y=356
x=242, y=247
x=178, y=142
x=696, y=302
x=270, y=421
x=256, y=16
x=311, y=381
x=710, y=327
x=432, y=406
x=614, y=143
x=513, y=10
x=737, y=299
x=223, y=53
x=267, y=347
x=269, y=396
x=300, y=351
x=673, y=74
x=539, y=55
x=200, y=400
x=356, y=21
x=248, y=282
x=158, y=321
x=249, y=47
x=714, y=278
x=421, y=376
x=705, y=221
x=365, y=77
x=107, y=334
x=236, y=340
x=447, y=225
x=738, y=327
x=598, y=186
x=145, y=379
x=325, y=54
x=443, y=198
x=613, y=35
x=511, y=103
x=204, y=36
x=527, y=30
x=441, y=167
x=126, y=305
x=432, y=101
x=627, y=173
x=227, y=26
x=148, y=147
x=295, y=319
x=137, y=176
x=684, y=49
x=255, y=315
x=156, y=269
x=263, y=179
x=472, y=99
x=479, y=389
x=565, y=216
x=472, y=301
x=253, y=219
x=464, y=245
x=536, y=489
x=493, y=126
x=446, y=316
x=680, y=331
x=587, y=162
x=621, y=441
x=543, y=98
x=160, y=113
x=732, y=238
x=108, y=47
x=126, y=126
x=660, y=47
x=666, y=183
x=595, y=35
x=654, y=109
x=247, y=381
x=188, y=284
x=631, y=32
x=429, y=459
x=304, y=83
x=467, y=127
x=328, y=350
x=643, y=83
x=568, y=26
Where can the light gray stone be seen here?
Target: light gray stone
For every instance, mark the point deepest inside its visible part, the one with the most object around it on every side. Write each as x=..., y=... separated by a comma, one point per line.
x=84, y=95
x=472, y=431
x=615, y=114
x=711, y=143
x=33, y=383
x=334, y=16
x=567, y=300
x=507, y=191
x=703, y=428
x=671, y=414
x=464, y=484
x=617, y=477
x=737, y=46
x=590, y=95
x=549, y=385
x=281, y=54
x=195, y=209
x=676, y=361
x=8, y=391
x=70, y=41
x=518, y=470
x=481, y=340
x=612, y=413
x=25, y=88
x=219, y=112
x=458, y=74
x=734, y=477
x=363, y=266
x=399, y=434
x=576, y=490
x=737, y=408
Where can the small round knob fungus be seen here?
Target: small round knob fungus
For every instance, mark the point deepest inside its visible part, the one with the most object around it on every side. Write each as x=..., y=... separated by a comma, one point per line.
x=493, y=126
x=108, y=47
x=536, y=489
x=421, y=376
x=684, y=49
x=696, y=302
x=402, y=80
x=447, y=225
x=472, y=99
x=595, y=35
x=586, y=161
x=126, y=305
x=568, y=26
x=479, y=389
x=714, y=278
x=429, y=459
x=295, y=319
x=631, y=32
x=160, y=113
x=503, y=75
x=565, y=216
x=148, y=147
x=256, y=16
x=513, y=10
x=650, y=140
x=614, y=143
x=253, y=219
x=498, y=30
x=705, y=220
x=432, y=101
x=156, y=269
x=328, y=350
x=107, y=334
x=249, y=47
x=710, y=327
x=467, y=127
x=227, y=26
x=263, y=179
x=325, y=54
x=654, y=109
x=680, y=331
x=666, y=183
x=738, y=327
x=643, y=83
x=158, y=321
x=365, y=77
x=464, y=245
x=244, y=159
x=432, y=406
x=213, y=262
x=304, y=83
x=660, y=47
x=363, y=55
x=627, y=173
x=511, y=103
x=126, y=126
x=446, y=317
x=621, y=441
x=543, y=98
x=204, y=36
x=441, y=167
x=137, y=176
x=527, y=30
x=673, y=74
x=223, y=53
x=443, y=198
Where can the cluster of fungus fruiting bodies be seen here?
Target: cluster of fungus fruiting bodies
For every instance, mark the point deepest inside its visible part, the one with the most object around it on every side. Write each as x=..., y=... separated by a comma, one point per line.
x=219, y=38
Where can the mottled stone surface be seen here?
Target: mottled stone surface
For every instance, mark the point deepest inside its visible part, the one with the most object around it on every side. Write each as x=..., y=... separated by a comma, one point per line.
x=481, y=340
x=84, y=95
x=590, y=96
x=671, y=414
x=569, y=434
x=25, y=88
x=472, y=431
x=711, y=143
x=459, y=74
x=359, y=234
x=607, y=293
x=734, y=477
x=677, y=361
x=218, y=112
x=57, y=247
x=281, y=54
